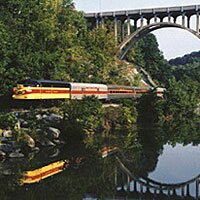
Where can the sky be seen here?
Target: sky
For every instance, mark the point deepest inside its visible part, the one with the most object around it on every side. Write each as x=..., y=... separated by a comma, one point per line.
x=173, y=42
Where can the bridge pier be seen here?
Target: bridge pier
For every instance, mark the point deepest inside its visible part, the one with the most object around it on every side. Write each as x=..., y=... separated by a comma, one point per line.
x=135, y=24
x=183, y=19
x=197, y=23
x=182, y=191
x=115, y=30
x=141, y=21
x=102, y=22
x=155, y=19
x=141, y=188
x=175, y=19
x=128, y=183
x=188, y=22
x=197, y=189
x=188, y=190
x=169, y=192
x=97, y=22
x=123, y=31
x=169, y=17
x=135, y=186
x=115, y=177
x=128, y=26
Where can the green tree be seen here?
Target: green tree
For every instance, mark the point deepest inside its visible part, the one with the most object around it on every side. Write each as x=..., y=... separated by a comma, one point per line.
x=181, y=98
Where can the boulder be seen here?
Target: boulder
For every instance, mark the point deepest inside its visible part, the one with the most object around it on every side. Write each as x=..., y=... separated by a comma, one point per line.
x=55, y=153
x=46, y=142
x=6, y=147
x=7, y=133
x=7, y=172
x=55, y=118
x=51, y=119
x=3, y=140
x=16, y=154
x=53, y=133
x=29, y=141
x=13, y=144
x=23, y=123
x=38, y=116
x=36, y=149
x=2, y=154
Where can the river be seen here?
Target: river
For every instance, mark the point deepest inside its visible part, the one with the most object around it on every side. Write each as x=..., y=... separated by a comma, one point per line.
x=158, y=165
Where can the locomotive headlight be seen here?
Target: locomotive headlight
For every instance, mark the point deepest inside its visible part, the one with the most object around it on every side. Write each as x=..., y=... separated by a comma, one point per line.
x=19, y=92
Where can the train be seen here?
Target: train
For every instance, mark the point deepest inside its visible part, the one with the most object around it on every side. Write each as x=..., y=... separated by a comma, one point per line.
x=31, y=89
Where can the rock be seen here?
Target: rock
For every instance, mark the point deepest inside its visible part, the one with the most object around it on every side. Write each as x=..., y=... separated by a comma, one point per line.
x=7, y=133
x=2, y=154
x=23, y=123
x=4, y=140
x=6, y=147
x=6, y=172
x=39, y=131
x=46, y=142
x=13, y=144
x=29, y=141
x=38, y=117
x=55, y=118
x=53, y=133
x=56, y=141
x=55, y=153
x=52, y=119
x=16, y=155
x=36, y=149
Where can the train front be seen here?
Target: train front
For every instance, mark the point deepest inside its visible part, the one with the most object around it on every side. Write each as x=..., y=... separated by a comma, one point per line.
x=24, y=90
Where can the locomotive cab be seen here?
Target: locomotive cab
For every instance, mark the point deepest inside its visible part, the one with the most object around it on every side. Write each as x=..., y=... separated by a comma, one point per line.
x=41, y=89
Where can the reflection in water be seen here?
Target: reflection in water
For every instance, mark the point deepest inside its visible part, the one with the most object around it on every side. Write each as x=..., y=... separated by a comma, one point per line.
x=177, y=164
x=145, y=166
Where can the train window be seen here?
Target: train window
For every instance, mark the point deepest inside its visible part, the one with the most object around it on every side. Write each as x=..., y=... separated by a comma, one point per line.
x=26, y=83
x=46, y=84
x=55, y=84
x=60, y=85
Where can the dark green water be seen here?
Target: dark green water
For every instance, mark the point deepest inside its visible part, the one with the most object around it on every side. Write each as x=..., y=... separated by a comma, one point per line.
x=157, y=164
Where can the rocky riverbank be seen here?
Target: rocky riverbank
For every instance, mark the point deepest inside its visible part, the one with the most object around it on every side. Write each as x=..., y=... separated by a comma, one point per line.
x=22, y=132
x=30, y=131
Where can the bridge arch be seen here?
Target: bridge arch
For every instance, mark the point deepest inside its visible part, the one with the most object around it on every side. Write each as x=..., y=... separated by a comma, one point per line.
x=150, y=185
x=129, y=41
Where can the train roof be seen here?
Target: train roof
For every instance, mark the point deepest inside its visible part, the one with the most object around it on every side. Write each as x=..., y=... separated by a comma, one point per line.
x=42, y=81
x=62, y=83
x=125, y=87
x=87, y=84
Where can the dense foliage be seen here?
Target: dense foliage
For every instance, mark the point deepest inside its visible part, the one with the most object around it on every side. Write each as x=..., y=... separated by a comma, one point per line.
x=180, y=77
x=50, y=40
x=186, y=59
x=187, y=68
x=145, y=53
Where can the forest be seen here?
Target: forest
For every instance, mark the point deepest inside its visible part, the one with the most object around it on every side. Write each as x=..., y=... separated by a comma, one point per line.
x=51, y=40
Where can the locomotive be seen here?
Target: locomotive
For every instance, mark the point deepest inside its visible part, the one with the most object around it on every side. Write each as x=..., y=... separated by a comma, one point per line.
x=48, y=89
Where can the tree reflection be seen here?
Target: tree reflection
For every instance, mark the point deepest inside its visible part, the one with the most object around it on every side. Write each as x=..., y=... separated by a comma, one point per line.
x=138, y=148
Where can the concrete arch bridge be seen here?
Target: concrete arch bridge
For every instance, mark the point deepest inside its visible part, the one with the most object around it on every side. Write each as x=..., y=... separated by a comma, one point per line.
x=145, y=21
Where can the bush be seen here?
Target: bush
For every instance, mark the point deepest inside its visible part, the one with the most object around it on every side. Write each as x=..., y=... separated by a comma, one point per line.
x=7, y=120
